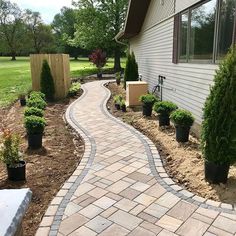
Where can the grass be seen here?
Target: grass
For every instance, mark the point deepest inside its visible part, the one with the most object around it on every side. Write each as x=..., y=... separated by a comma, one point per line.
x=15, y=76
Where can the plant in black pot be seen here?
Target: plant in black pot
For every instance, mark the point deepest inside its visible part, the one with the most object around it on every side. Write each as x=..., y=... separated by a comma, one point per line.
x=183, y=120
x=163, y=109
x=148, y=101
x=10, y=155
x=22, y=98
x=117, y=99
x=123, y=105
x=34, y=126
x=218, y=138
x=118, y=78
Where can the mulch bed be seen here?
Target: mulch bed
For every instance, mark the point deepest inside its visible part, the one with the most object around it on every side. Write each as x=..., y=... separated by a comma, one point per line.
x=47, y=168
x=183, y=162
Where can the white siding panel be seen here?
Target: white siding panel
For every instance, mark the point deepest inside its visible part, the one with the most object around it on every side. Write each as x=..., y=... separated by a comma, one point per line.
x=181, y=5
x=157, y=12
x=191, y=82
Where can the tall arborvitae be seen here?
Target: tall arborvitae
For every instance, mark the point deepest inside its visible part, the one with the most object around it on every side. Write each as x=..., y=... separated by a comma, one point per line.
x=131, y=69
x=219, y=125
x=46, y=81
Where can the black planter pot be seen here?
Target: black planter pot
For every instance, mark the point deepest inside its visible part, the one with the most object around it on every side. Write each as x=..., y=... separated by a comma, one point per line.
x=118, y=82
x=16, y=173
x=99, y=75
x=117, y=106
x=215, y=173
x=164, y=119
x=35, y=141
x=147, y=109
x=22, y=102
x=182, y=133
x=123, y=108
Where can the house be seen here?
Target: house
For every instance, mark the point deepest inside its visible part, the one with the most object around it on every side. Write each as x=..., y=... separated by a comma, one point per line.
x=182, y=40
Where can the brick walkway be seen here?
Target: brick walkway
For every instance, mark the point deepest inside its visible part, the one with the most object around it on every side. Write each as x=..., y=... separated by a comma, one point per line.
x=120, y=187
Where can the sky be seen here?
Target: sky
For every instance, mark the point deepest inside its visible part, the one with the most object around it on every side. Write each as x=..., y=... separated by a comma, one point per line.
x=47, y=8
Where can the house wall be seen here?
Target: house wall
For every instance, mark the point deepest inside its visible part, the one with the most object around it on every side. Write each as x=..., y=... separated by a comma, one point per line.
x=180, y=5
x=153, y=50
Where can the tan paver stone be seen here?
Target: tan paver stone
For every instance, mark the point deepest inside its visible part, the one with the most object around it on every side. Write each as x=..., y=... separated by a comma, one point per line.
x=104, y=202
x=139, y=177
x=43, y=231
x=138, y=164
x=140, y=186
x=156, y=210
x=126, y=153
x=115, y=230
x=144, y=199
x=225, y=224
x=147, y=217
x=56, y=200
x=72, y=208
x=116, y=176
x=103, y=173
x=155, y=191
x=182, y=210
x=192, y=227
x=46, y=221
x=125, y=204
x=108, y=212
x=207, y=212
x=83, y=231
x=90, y=211
x=167, y=233
x=230, y=216
x=151, y=227
x=219, y=232
x=88, y=201
x=202, y=218
x=139, y=208
x=129, y=193
x=167, y=200
x=169, y=223
x=125, y=219
x=118, y=186
x=51, y=211
x=114, y=167
x=114, y=196
x=83, y=188
x=101, y=185
x=141, y=232
x=128, y=169
x=98, y=224
x=80, y=199
x=97, y=192
x=72, y=223
x=209, y=234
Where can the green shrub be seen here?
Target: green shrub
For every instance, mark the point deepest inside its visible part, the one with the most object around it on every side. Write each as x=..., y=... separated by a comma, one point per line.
x=36, y=102
x=182, y=118
x=164, y=107
x=148, y=99
x=34, y=124
x=46, y=81
x=37, y=94
x=74, y=89
x=117, y=99
x=218, y=138
x=33, y=111
x=122, y=102
x=22, y=96
x=131, y=69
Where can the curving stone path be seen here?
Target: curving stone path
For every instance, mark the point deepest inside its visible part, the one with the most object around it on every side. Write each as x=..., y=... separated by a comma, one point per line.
x=121, y=188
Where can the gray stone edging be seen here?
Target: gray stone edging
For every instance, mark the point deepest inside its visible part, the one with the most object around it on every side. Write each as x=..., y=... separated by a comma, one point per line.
x=158, y=170
x=81, y=171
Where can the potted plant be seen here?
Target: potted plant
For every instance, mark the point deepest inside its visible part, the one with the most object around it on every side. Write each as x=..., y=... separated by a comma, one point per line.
x=33, y=111
x=148, y=101
x=163, y=109
x=117, y=99
x=37, y=102
x=99, y=59
x=183, y=120
x=123, y=105
x=34, y=126
x=10, y=155
x=22, y=98
x=218, y=137
x=118, y=78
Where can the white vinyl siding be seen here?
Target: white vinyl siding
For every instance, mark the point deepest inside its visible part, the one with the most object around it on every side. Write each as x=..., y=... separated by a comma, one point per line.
x=191, y=82
x=181, y=5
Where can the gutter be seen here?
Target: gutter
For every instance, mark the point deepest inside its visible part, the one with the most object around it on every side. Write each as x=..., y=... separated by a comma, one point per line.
x=117, y=38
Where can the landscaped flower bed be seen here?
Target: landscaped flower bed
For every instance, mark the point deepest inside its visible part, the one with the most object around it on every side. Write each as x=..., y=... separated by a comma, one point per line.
x=183, y=162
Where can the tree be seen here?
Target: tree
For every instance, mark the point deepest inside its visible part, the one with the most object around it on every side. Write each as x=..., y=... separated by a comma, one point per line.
x=98, y=22
x=11, y=26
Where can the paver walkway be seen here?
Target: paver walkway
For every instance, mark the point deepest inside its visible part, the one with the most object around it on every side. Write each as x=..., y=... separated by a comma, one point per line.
x=120, y=187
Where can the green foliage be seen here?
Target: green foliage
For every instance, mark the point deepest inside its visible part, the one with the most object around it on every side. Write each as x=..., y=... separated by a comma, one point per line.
x=122, y=102
x=74, y=89
x=21, y=96
x=218, y=138
x=117, y=99
x=165, y=107
x=131, y=69
x=46, y=81
x=34, y=124
x=33, y=111
x=36, y=94
x=118, y=76
x=9, y=150
x=148, y=99
x=36, y=102
x=182, y=118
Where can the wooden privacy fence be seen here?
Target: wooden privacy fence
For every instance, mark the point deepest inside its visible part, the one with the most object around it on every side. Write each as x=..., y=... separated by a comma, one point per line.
x=60, y=69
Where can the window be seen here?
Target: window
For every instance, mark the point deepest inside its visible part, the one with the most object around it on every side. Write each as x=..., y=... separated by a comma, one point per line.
x=206, y=31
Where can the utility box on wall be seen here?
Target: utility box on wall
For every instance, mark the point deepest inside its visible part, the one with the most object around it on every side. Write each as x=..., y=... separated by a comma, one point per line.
x=60, y=69
x=134, y=90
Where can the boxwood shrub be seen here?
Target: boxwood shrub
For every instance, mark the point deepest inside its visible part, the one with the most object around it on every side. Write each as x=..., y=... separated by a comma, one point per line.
x=148, y=99
x=33, y=111
x=182, y=118
x=36, y=102
x=37, y=94
x=74, y=89
x=164, y=107
x=34, y=124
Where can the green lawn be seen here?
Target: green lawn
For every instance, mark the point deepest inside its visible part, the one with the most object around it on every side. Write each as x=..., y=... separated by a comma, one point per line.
x=15, y=76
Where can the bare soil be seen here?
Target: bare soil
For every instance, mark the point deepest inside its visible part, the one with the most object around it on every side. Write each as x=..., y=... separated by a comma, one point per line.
x=183, y=162
x=48, y=168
